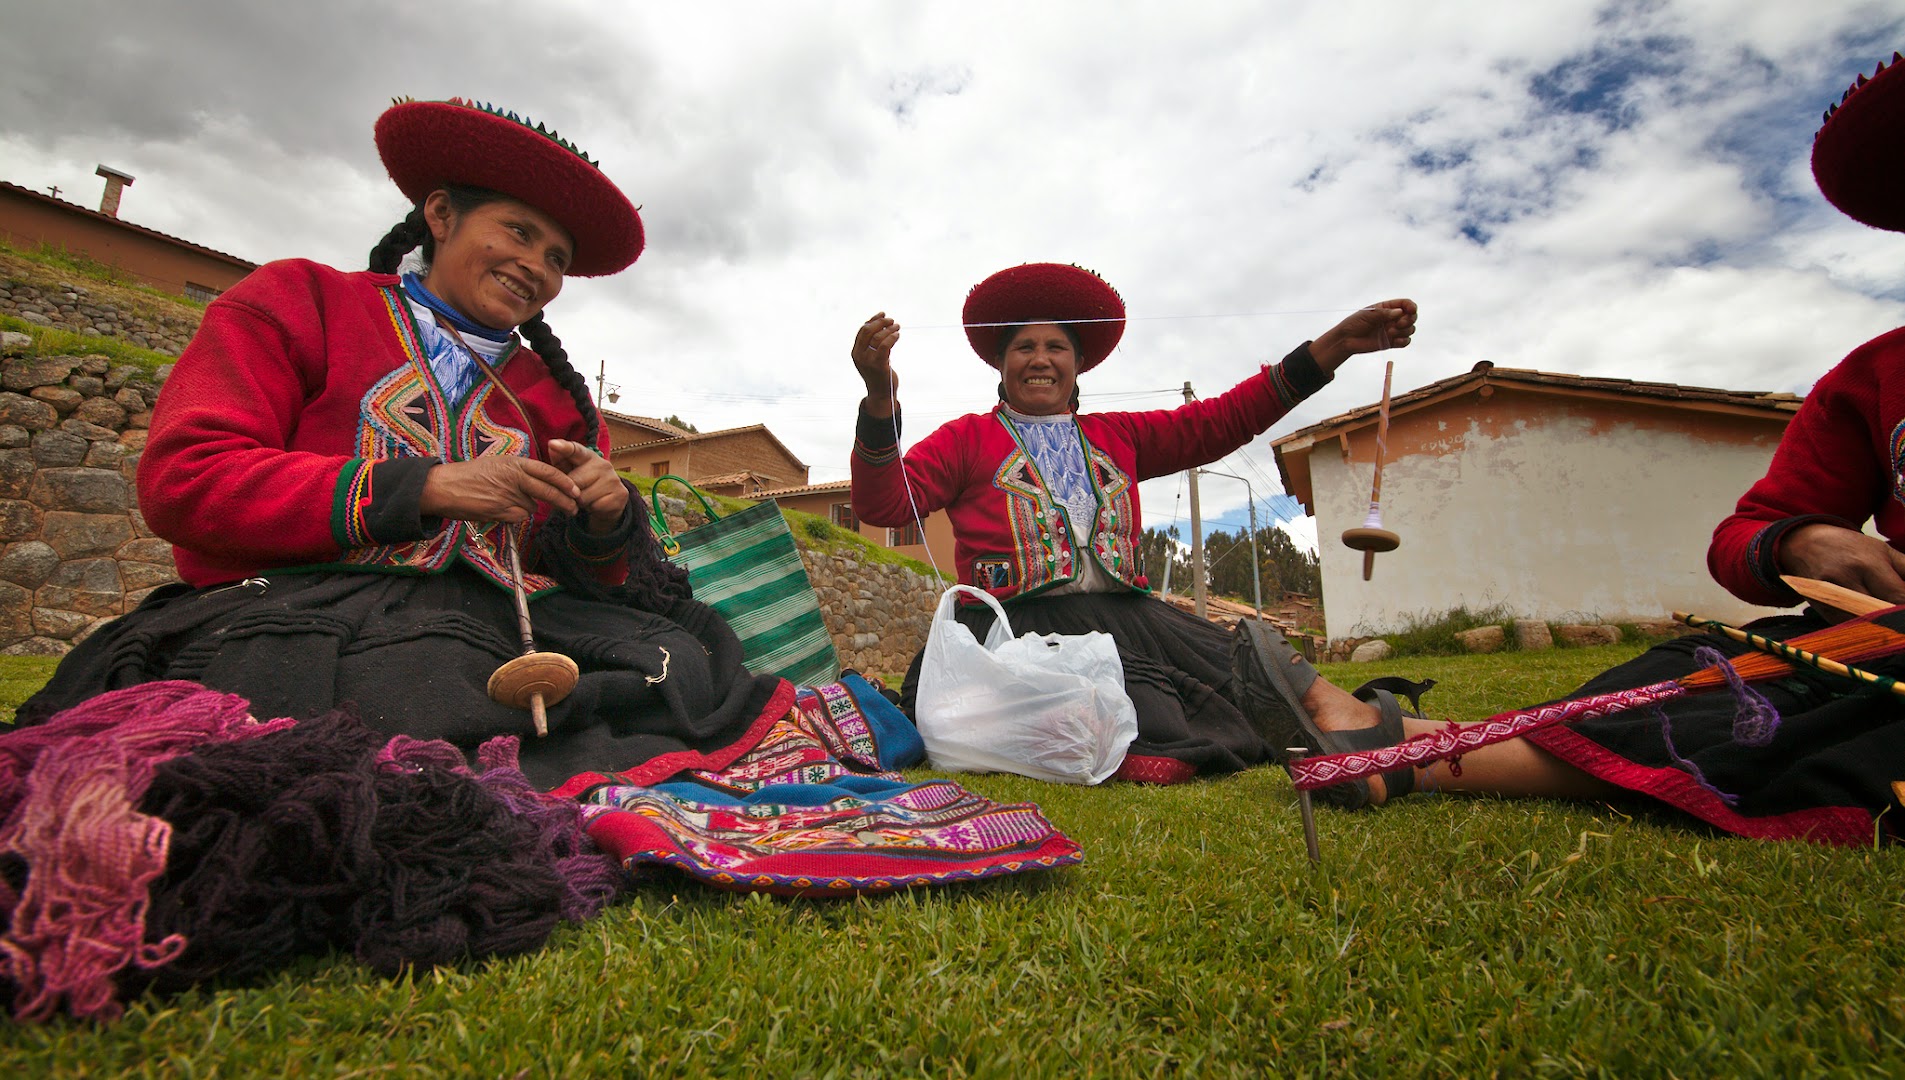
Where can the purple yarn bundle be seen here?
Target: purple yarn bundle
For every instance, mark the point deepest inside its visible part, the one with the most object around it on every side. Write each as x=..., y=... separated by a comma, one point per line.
x=158, y=836
x=329, y=836
x=78, y=855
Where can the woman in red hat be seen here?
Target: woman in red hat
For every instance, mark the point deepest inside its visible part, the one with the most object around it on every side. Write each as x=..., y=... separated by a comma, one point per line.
x=1805, y=757
x=344, y=463
x=1043, y=501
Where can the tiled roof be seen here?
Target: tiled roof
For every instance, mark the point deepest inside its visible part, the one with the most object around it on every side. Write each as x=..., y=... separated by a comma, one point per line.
x=1486, y=372
x=75, y=208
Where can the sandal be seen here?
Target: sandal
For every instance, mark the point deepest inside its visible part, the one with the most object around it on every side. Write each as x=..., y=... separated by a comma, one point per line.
x=1272, y=677
x=1354, y=794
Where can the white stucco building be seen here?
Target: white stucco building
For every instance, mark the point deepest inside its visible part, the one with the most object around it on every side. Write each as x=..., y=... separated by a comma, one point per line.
x=1557, y=497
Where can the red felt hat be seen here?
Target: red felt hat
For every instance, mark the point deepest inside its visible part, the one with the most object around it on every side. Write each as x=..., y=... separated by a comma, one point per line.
x=1858, y=157
x=1045, y=293
x=428, y=144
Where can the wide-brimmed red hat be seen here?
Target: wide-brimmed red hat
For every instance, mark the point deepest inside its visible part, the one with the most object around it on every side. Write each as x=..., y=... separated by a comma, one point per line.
x=1858, y=157
x=428, y=144
x=1045, y=293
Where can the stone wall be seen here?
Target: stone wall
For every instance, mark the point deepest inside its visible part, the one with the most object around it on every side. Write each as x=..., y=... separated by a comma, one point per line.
x=74, y=307
x=74, y=550
x=878, y=613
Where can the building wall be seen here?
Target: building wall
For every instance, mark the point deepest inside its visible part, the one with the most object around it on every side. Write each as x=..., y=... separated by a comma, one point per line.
x=1552, y=507
x=716, y=456
x=28, y=223
x=754, y=450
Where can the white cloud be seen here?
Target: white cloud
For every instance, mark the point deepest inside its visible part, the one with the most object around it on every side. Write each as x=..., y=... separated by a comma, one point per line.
x=1637, y=170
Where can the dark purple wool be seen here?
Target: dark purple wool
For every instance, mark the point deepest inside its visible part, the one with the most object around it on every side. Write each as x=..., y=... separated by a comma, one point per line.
x=319, y=838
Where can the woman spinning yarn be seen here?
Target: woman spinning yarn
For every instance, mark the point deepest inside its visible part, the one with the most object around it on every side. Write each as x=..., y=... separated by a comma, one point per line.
x=1805, y=756
x=345, y=461
x=1043, y=501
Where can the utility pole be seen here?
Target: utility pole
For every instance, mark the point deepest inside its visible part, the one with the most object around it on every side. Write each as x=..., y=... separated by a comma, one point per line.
x=1256, y=570
x=1198, y=590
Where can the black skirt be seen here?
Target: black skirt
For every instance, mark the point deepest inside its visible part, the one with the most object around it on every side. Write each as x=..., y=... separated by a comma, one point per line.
x=413, y=655
x=1825, y=774
x=1176, y=669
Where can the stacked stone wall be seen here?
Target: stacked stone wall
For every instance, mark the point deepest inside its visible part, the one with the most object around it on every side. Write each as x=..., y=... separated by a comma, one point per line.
x=878, y=613
x=74, y=550
x=74, y=307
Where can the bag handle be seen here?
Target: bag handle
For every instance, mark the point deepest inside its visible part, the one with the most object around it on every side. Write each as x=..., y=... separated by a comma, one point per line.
x=1001, y=626
x=669, y=545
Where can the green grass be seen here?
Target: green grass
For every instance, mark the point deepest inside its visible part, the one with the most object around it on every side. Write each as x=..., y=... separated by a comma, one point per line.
x=1440, y=936
x=52, y=341
x=60, y=263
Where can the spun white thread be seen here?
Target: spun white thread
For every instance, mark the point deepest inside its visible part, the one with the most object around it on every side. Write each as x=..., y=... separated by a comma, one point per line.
x=892, y=395
x=1374, y=520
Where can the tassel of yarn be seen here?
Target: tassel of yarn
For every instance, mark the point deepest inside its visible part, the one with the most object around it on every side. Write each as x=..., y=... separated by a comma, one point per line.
x=1757, y=721
x=1666, y=734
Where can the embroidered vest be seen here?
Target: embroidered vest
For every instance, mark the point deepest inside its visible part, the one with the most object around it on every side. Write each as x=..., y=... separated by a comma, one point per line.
x=1044, y=552
x=406, y=414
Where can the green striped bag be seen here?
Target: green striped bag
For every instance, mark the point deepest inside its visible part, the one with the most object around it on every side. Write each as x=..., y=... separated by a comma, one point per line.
x=746, y=567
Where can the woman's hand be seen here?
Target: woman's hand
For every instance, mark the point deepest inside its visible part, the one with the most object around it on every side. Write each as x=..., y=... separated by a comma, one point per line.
x=1844, y=557
x=495, y=488
x=603, y=495
x=873, y=359
x=1385, y=325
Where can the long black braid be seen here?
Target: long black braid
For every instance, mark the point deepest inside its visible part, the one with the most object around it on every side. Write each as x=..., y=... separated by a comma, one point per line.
x=654, y=584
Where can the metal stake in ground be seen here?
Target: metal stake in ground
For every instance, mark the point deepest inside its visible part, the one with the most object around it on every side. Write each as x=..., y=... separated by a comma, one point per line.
x=1297, y=753
x=535, y=679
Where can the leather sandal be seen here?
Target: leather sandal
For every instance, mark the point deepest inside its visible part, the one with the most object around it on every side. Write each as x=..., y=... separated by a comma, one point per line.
x=1354, y=794
x=1272, y=677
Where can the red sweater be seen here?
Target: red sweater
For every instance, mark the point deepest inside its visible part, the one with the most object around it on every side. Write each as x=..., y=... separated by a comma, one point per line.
x=298, y=425
x=1010, y=537
x=1842, y=460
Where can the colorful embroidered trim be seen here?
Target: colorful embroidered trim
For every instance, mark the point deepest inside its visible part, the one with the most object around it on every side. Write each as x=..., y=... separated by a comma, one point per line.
x=884, y=456
x=350, y=505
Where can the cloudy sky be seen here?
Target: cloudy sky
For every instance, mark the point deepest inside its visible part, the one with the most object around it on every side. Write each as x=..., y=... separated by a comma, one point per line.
x=1607, y=188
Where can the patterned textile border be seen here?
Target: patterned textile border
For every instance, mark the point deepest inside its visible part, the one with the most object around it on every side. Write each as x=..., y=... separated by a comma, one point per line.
x=809, y=811
x=1457, y=739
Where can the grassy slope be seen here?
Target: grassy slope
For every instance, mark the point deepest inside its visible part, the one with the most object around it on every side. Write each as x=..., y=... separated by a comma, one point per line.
x=1441, y=935
x=48, y=269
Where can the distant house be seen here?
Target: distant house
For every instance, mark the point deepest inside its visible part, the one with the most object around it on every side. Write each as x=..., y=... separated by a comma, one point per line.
x=735, y=461
x=30, y=218
x=834, y=501
x=1554, y=496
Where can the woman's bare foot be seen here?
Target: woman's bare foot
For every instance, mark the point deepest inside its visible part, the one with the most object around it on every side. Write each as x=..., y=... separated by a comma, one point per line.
x=1333, y=708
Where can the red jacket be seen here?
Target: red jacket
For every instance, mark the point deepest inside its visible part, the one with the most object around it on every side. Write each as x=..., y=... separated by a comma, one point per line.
x=1842, y=460
x=298, y=425
x=1010, y=536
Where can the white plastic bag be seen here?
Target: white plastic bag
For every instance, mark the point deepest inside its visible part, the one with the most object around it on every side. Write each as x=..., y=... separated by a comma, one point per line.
x=1048, y=706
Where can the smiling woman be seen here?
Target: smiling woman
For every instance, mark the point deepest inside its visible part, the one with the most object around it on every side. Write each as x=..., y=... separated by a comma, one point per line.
x=349, y=464
x=1044, y=507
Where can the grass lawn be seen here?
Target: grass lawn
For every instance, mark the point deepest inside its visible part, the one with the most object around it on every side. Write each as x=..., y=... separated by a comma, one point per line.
x=1442, y=935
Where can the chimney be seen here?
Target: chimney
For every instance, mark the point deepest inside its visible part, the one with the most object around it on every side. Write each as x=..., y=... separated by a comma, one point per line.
x=115, y=182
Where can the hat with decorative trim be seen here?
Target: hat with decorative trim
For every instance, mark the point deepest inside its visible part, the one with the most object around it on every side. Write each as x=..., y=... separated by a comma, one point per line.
x=1045, y=293
x=1858, y=156
x=428, y=144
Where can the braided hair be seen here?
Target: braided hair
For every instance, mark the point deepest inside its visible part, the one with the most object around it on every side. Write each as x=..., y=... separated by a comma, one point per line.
x=654, y=584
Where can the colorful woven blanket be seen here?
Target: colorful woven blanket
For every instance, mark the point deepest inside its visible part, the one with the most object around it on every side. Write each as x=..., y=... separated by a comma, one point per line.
x=814, y=810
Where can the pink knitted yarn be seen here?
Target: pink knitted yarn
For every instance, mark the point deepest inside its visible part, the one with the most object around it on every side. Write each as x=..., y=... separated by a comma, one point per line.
x=68, y=789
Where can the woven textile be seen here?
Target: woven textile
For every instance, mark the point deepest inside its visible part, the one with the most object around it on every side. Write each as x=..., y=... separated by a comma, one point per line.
x=809, y=812
x=746, y=567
